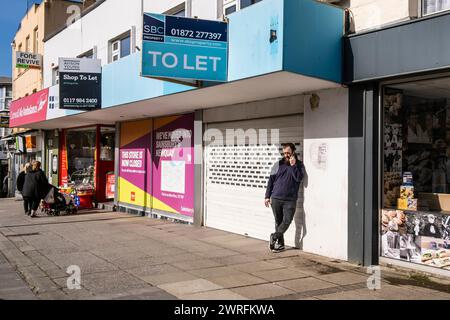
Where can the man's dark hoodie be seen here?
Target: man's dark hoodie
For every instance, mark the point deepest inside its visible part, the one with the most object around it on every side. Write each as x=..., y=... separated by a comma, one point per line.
x=285, y=180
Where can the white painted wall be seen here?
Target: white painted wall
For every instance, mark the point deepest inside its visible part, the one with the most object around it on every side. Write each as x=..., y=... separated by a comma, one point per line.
x=205, y=9
x=370, y=14
x=109, y=20
x=326, y=188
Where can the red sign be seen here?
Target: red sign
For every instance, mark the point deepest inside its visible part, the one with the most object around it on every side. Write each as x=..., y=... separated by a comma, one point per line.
x=110, y=186
x=133, y=196
x=63, y=161
x=29, y=109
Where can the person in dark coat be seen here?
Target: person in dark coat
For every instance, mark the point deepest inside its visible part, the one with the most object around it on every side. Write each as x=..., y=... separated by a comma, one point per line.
x=20, y=183
x=36, y=186
x=282, y=193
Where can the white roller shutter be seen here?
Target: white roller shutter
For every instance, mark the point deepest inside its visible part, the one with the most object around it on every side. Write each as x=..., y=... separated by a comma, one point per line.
x=237, y=175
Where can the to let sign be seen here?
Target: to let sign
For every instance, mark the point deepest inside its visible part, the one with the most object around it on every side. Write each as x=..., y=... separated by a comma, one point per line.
x=80, y=84
x=184, y=48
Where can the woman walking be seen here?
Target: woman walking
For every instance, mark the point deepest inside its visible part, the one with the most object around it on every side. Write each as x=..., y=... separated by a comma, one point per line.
x=35, y=187
x=20, y=183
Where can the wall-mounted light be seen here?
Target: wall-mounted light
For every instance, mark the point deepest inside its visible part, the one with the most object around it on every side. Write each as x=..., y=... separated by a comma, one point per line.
x=314, y=101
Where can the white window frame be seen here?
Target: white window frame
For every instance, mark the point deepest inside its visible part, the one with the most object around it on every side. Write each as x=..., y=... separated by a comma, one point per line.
x=422, y=9
x=115, y=53
x=88, y=54
x=177, y=9
x=229, y=3
x=115, y=46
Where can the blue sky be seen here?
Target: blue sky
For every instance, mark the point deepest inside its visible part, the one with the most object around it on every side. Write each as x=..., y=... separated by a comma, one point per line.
x=11, y=13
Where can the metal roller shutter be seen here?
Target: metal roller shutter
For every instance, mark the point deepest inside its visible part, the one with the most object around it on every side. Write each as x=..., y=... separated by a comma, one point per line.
x=236, y=178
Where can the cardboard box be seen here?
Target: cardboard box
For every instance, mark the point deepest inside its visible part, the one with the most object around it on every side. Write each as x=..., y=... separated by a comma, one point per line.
x=406, y=192
x=435, y=201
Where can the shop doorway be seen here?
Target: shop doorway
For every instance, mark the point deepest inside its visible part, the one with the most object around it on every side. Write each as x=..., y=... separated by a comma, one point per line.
x=87, y=157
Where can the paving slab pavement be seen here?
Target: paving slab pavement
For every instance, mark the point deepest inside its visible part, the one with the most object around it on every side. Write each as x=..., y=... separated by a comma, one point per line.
x=129, y=257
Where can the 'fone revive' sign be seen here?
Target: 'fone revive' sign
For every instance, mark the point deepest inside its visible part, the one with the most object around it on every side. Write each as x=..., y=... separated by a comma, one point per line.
x=26, y=60
x=184, y=48
x=80, y=84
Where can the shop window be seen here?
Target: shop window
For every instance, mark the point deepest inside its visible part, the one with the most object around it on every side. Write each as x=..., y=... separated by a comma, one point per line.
x=434, y=6
x=80, y=156
x=107, y=143
x=415, y=220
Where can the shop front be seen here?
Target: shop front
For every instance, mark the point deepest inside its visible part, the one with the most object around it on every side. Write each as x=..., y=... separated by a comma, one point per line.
x=415, y=216
x=86, y=158
x=400, y=112
x=156, y=166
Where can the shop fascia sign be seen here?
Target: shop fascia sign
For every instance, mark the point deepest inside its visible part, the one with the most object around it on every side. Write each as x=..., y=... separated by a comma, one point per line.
x=184, y=48
x=27, y=60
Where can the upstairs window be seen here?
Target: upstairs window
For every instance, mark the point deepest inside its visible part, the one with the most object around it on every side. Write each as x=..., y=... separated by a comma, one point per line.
x=88, y=54
x=246, y=3
x=28, y=44
x=179, y=11
x=36, y=40
x=434, y=6
x=231, y=6
x=120, y=47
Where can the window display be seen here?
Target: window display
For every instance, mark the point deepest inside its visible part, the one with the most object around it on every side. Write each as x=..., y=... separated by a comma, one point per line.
x=107, y=143
x=416, y=203
x=80, y=154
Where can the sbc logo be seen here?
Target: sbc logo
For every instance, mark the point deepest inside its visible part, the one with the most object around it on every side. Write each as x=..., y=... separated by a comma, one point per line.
x=154, y=30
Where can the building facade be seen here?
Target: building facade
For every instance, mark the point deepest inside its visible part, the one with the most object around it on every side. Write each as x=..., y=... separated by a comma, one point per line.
x=5, y=102
x=397, y=74
x=40, y=21
x=329, y=76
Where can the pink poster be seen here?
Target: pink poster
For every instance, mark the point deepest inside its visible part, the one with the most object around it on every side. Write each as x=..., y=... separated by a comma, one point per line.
x=173, y=164
x=29, y=109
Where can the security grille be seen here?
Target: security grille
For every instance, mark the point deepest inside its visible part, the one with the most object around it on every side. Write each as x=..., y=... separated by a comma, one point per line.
x=237, y=174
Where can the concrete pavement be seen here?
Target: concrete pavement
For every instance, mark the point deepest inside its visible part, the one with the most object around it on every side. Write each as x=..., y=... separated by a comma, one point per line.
x=129, y=257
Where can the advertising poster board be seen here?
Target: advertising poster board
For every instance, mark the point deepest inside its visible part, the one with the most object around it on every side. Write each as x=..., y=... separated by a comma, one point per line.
x=173, y=164
x=135, y=165
x=80, y=84
x=184, y=48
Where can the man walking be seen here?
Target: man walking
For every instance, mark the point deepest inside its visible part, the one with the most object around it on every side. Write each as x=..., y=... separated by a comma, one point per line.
x=282, y=193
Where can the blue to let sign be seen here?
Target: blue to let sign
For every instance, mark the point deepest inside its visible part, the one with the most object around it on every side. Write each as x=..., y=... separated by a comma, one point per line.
x=184, y=48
